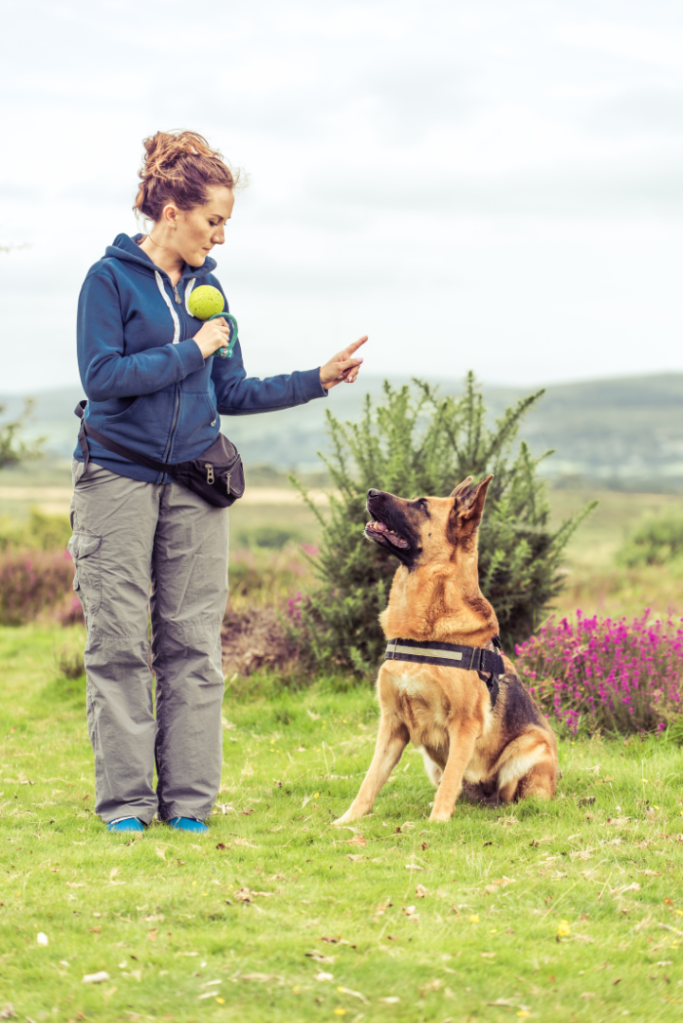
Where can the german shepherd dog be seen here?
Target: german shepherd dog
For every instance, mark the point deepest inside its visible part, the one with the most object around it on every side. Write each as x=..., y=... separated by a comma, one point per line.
x=501, y=752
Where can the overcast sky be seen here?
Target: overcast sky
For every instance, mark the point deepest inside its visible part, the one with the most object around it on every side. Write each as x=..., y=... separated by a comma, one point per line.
x=486, y=184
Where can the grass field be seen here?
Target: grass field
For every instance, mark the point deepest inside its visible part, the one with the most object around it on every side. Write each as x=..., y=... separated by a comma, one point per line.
x=571, y=911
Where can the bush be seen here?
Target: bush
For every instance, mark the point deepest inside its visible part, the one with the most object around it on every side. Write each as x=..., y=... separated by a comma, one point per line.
x=657, y=541
x=70, y=663
x=266, y=577
x=13, y=447
x=606, y=675
x=415, y=443
x=267, y=537
x=30, y=582
x=40, y=531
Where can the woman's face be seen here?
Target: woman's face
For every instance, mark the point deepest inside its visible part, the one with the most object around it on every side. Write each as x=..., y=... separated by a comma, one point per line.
x=196, y=231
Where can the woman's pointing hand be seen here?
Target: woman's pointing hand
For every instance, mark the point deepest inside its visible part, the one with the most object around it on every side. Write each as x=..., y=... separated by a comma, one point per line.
x=343, y=366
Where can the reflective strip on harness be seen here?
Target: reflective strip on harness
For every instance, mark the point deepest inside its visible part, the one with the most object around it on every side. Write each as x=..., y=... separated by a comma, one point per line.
x=395, y=648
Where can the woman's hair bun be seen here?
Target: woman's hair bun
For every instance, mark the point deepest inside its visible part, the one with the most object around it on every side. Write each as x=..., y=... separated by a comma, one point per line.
x=179, y=167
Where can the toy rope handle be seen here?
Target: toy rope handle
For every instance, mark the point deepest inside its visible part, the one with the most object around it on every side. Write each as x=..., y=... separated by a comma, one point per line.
x=232, y=324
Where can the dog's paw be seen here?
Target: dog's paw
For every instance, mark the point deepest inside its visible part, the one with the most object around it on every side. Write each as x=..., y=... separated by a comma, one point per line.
x=345, y=819
x=440, y=815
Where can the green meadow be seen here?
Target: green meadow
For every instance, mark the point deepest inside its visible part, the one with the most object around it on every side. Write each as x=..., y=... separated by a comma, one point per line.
x=570, y=911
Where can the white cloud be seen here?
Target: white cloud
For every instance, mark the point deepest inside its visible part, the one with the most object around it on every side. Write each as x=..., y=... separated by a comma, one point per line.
x=661, y=48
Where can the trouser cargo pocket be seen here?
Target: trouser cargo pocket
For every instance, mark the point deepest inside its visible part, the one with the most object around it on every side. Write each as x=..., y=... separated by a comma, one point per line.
x=84, y=548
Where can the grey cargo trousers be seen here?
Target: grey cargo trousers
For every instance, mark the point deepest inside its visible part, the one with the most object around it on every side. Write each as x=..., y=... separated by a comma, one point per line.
x=130, y=536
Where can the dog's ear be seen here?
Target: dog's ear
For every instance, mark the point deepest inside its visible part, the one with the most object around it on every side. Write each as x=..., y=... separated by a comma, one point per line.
x=462, y=488
x=468, y=508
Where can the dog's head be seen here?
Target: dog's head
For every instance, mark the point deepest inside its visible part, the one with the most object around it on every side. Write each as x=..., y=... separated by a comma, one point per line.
x=422, y=530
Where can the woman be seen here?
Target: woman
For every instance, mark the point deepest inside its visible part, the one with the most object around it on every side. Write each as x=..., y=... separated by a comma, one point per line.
x=155, y=386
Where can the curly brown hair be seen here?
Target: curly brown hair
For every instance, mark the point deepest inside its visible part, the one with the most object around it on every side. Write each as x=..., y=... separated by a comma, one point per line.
x=179, y=167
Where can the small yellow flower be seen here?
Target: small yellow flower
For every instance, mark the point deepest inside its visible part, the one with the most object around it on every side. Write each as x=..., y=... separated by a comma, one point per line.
x=523, y=1013
x=296, y=990
x=339, y=1012
x=492, y=931
x=564, y=928
x=474, y=918
x=219, y=999
x=315, y=797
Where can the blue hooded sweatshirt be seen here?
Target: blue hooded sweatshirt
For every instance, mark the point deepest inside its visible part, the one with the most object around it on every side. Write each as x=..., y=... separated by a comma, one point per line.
x=147, y=383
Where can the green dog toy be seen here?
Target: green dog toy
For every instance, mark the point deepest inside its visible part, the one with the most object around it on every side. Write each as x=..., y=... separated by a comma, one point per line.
x=206, y=303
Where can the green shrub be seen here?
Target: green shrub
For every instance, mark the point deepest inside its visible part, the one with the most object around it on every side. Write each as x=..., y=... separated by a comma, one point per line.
x=417, y=442
x=70, y=662
x=12, y=533
x=267, y=537
x=40, y=532
x=264, y=577
x=13, y=447
x=656, y=541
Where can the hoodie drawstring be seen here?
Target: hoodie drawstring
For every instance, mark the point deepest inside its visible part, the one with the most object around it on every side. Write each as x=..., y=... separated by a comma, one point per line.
x=176, y=321
x=189, y=287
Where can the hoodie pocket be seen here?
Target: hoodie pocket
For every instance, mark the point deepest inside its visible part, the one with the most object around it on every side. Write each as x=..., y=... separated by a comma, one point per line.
x=84, y=548
x=130, y=411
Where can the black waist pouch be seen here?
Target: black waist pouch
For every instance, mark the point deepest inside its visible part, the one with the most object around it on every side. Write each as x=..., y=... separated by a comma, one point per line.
x=217, y=475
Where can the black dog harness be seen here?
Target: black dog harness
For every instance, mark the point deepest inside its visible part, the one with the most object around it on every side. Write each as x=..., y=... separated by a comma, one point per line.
x=470, y=659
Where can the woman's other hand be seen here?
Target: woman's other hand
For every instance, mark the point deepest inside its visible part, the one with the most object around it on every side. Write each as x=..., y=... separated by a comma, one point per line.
x=213, y=335
x=342, y=366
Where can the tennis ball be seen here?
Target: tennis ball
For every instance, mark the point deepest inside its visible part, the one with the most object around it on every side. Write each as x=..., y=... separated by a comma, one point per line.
x=205, y=301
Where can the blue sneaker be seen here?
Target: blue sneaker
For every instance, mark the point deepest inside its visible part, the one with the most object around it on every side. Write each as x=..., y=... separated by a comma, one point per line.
x=188, y=825
x=126, y=825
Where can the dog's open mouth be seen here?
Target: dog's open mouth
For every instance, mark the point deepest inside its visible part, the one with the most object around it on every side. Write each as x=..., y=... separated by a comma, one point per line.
x=381, y=532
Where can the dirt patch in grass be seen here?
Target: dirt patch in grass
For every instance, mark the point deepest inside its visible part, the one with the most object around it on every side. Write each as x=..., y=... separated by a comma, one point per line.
x=254, y=638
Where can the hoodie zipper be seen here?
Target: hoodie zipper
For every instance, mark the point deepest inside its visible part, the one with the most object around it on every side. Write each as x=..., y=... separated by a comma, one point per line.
x=175, y=423
x=176, y=339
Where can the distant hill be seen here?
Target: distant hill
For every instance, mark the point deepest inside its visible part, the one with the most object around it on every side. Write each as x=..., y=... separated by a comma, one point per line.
x=625, y=433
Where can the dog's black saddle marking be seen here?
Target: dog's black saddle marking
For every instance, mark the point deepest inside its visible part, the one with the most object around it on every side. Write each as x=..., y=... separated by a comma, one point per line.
x=470, y=659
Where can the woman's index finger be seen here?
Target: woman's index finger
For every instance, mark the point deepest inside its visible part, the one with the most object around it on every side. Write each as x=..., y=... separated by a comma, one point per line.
x=355, y=346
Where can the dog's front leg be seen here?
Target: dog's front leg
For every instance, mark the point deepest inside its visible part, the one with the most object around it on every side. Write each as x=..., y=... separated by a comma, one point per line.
x=462, y=737
x=392, y=739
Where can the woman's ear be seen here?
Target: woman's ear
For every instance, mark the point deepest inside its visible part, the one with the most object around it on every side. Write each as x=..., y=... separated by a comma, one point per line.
x=169, y=215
